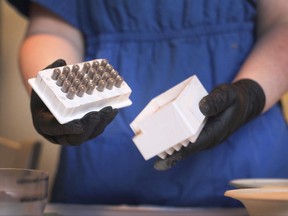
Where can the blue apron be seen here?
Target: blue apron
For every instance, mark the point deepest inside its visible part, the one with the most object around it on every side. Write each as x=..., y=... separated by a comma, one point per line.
x=155, y=44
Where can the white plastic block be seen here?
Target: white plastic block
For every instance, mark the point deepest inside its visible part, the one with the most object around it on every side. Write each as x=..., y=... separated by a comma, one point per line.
x=171, y=120
x=67, y=106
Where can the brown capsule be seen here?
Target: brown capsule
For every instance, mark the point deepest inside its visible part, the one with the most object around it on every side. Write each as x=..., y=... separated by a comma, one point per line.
x=118, y=81
x=71, y=93
x=90, y=88
x=95, y=64
x=110, y=83
x=55, y=74
x=100, y=70
x=101, y=85
x=66, y=70
x=113, y=74
x=70, y=77
x=81, y=90
x=80, y=75
x=66, y=85
x=75, y=68
x=91, y=73
x=86, y=66
x=104, y=62
x=85, y=80
x=108, y=68
x=60, y=79
x=105, y=76
x=76, y=83
x=96, y=79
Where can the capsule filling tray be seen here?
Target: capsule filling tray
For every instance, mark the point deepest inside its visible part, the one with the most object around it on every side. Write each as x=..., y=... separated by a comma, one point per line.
x=66, y=108
x=170, y=121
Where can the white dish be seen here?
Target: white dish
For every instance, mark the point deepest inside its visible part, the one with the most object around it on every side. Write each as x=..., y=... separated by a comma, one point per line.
x=259, y=182
x=262, y=201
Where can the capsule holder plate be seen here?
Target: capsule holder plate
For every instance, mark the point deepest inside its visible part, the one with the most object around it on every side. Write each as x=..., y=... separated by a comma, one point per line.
x=65, y=109
x=171, y=120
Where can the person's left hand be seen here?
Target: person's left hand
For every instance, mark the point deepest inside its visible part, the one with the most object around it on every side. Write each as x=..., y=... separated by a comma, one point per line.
x=227, y=107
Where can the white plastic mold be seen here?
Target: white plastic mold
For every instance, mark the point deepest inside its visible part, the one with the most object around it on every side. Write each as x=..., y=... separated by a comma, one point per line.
x=171, y=120
x=66, y=109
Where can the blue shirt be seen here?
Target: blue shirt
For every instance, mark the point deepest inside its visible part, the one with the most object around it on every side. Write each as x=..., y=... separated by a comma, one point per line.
x=155, y=44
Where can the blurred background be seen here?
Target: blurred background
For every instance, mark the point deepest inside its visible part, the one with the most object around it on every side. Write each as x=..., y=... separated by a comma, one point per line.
x=15, y=118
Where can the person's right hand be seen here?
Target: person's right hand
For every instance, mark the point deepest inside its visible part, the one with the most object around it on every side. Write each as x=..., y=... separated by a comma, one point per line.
x=228, y=107
x=71, y=133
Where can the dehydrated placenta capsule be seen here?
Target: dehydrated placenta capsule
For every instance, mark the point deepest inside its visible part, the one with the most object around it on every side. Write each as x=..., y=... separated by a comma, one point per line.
x=60, y=79
x=70, y=77
x=86, y=66
x=66, y=70
x=85, y=80
x=55, y=74
x=108, y=68
x=96, y=79
x=100, y=70
x=71, y=93
x=75, y=68
x=81, y=90
x=76, y=83
x=80, y=75
x=105, y=76
x=91, y=72
x=113, y=74
x=66, y=85
x=95, y=64
x=101, y=85
x=90, y=87
x=118, y=81
x=110, y=83
x=104, y=62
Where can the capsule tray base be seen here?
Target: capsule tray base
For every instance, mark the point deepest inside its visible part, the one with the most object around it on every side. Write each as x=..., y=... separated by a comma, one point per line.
x=170, y=121
x=65, y=109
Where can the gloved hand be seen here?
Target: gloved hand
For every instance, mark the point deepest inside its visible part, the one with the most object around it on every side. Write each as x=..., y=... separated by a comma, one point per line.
x=71, y=133
x=227, y=107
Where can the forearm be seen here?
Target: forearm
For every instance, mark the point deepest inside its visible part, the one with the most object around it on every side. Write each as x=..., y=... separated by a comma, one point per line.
x=268, y=65
x=40, y=50
x=48, y=38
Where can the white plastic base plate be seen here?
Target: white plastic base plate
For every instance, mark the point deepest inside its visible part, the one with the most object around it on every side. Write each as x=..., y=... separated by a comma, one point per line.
x=170, y=120
x=65, y=109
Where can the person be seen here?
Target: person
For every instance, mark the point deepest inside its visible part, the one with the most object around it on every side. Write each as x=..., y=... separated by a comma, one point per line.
x=238, y=50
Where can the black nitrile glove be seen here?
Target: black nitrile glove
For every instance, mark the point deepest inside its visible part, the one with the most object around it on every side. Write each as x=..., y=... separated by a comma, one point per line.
x=227, y=107
x=71, y=133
